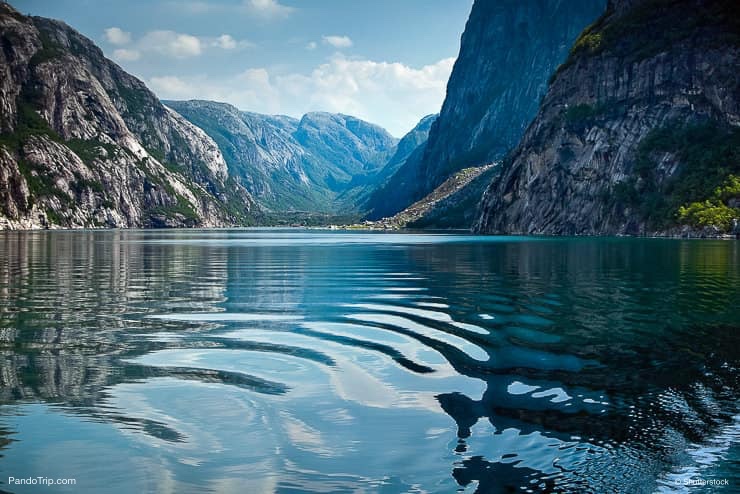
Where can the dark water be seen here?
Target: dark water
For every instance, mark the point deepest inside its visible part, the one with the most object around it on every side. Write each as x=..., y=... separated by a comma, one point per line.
x=264, y=361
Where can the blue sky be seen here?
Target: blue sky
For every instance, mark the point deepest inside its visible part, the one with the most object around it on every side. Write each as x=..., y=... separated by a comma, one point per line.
x=386, y=61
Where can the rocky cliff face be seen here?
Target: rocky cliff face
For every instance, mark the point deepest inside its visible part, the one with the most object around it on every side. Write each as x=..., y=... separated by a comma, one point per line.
x=409, y=143
x=317, y=163
x=507, y=52
x=84, y=144
x=642, y=118
x=399, y=174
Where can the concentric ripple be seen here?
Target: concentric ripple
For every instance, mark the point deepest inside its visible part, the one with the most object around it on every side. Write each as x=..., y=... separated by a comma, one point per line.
x=269, y=361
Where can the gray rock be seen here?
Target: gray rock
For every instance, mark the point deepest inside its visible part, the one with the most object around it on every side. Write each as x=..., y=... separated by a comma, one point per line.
x=507, y=53
x=85, y=144
x=643, y=66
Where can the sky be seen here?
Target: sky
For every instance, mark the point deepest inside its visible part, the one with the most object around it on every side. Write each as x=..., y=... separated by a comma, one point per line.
x=385, y=61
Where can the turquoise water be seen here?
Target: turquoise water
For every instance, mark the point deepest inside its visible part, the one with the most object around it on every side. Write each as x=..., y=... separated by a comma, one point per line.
x=293, y=361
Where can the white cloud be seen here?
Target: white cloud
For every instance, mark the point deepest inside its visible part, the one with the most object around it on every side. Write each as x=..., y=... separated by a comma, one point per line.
x=171, y=87
x=171, y=44
x=268, y=8
x=393, y=95
x=117, y=36
x=311, y=45
x=126, y=55
x=338, y=41
x=227, y=42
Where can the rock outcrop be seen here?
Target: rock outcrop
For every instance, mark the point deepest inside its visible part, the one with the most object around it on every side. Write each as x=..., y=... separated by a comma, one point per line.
x=507, y=53
x=642, y=118
x=451, y=206
x=85, y=144
x=319, y=163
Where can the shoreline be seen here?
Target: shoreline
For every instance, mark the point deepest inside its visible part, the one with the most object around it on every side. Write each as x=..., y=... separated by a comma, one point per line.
x=369, y=228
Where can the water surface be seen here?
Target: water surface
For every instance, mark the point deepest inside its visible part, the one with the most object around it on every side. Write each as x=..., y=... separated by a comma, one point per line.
x=291, y=361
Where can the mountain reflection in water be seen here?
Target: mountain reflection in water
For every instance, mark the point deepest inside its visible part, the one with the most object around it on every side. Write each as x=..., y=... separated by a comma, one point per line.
x=290, y=361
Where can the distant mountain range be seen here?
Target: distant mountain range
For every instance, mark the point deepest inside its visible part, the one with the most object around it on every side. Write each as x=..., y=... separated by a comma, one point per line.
x=322, y=162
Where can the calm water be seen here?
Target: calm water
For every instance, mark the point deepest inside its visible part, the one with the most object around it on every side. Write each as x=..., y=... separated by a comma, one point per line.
x=265, y=361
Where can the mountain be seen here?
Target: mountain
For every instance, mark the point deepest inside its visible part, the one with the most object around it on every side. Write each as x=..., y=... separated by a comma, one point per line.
x=84, y=144
x=384, y=200
x=639, y=132
x=407, y=146
x=507, y=52
x=318, y=163
x=452, y=205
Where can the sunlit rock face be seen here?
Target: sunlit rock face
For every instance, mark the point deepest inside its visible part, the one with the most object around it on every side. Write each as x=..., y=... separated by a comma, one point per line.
x=508, y=51
x=642, y=118
x=85, y=144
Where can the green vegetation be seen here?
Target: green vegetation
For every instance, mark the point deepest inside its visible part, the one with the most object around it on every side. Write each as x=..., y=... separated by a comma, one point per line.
x=30, y=123
x=709, y=213
x=136, y=100
x=80, y=185
x=137, y=108
x=181, y=208
x=53, y=217
x=307, y=219
x=716, y=211
x=588, y=41
x=582, y=112
x=89, y=150
x=35, y=183
x=234, y=204
x=40, y=182
x=730, y=190
x=173, y=167
x=709, y=158
x=50, y=49
x=579, y=118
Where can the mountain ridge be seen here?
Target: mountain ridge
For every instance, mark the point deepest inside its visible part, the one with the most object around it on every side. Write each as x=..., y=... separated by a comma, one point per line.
x=85, y=144
x=323, y=162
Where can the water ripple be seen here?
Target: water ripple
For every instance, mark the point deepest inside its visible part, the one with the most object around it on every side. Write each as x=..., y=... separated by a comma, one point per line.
x=316, y=362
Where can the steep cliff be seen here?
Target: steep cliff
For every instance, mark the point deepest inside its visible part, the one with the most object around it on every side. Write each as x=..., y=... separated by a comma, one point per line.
x=642, y=119
x=317, y=163
x=399, y=174
x=507, y=52
x=83, y=143
x=408, y=144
